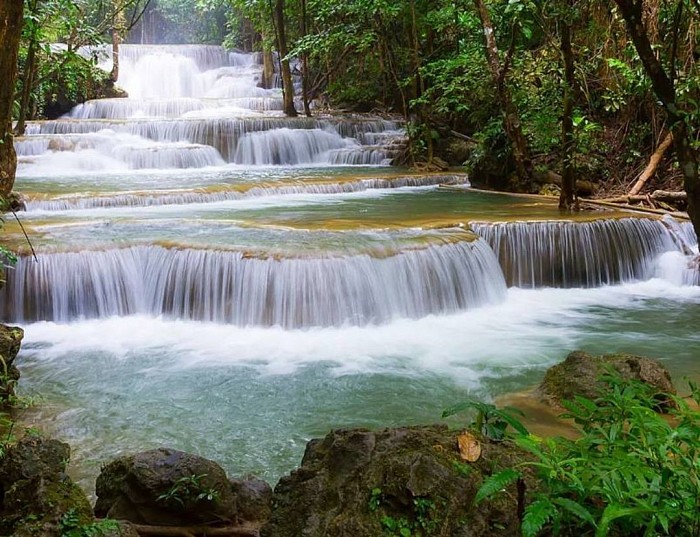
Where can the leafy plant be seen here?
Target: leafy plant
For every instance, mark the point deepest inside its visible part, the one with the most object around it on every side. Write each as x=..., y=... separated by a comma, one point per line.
x=631, y=472
x=71, y=526
x=421, y=521
x=189, y=489
x=490, y=420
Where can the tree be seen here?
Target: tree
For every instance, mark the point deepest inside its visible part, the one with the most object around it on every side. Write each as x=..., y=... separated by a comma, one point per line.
x=511, y=118
x=10, y=32
x=568, y=175
x=664, y=88
x=280, y=30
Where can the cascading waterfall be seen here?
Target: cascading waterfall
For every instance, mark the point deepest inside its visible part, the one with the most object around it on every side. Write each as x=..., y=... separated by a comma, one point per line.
x=187, y=97
x=225, y=135
x=146, y=199
x=231, y=287
x=573, y=254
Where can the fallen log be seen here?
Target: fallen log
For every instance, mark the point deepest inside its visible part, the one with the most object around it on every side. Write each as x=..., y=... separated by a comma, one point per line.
x=654, y=161
x=194, y=531
x=664, y=196
x=637, y=208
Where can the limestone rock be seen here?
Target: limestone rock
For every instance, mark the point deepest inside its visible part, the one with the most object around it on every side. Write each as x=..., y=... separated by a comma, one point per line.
x=165, y=487
x=253, y=498
x=356, y=483
x=580, y=375
x=36, y=495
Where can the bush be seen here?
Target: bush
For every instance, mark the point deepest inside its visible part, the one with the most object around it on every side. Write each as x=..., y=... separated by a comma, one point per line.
x=631, y=472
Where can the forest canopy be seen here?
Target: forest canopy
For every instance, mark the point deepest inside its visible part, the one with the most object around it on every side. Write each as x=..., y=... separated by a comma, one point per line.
x=556, y=86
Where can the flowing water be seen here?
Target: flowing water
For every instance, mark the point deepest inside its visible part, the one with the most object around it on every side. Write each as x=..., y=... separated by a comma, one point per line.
x=215, y=277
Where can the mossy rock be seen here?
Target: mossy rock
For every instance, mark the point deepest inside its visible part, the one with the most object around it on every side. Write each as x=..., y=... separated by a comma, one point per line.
x=356, y=483
x=580, y=375
x=165, y=487
x=37, y=497
x=10, y=342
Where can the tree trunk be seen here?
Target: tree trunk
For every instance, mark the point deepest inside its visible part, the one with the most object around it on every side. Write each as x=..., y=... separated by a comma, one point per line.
x=665, y=91
x=511, y=118
x=118, y=31
x=268, y=77
x=568, y=174
x=305, y=64
x=27, y=86
x=10, y=32
x=287, y=85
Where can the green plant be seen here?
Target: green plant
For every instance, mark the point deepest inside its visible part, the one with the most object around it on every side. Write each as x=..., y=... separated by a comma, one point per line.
x=71, y=526
x=421, y=521
x=631, y=472
x=490, y=420
x=189, y=489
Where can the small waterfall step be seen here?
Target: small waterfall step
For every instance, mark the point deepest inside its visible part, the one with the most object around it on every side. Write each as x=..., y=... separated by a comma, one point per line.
x=577, y=254
x=234, y=192
x=231, y=287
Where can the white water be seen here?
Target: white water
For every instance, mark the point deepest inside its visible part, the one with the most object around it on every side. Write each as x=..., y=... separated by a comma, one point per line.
x=194, y=107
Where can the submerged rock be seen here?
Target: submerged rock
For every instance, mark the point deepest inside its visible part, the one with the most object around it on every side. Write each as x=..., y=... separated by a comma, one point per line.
x=580, y=374
x=360, y=483
x=165, y=487
x=10, y=341
x=37, y=497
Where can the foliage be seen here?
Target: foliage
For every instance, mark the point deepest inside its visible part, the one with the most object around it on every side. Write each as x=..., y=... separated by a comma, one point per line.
x=70, y=525
x=188, y=490
x=631, y=472
x=490, y=420
x=420, y=522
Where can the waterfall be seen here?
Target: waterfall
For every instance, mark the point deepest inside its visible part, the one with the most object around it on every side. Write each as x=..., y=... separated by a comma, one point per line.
x=225, y=134
x=232, y=287
x=573, y=254
x=198, y=95
x=149, y=198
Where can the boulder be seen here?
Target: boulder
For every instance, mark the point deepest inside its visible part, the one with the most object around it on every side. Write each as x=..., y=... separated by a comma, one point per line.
x=165, y=487
x=10, y=341
x=253, y=499
x=580, y=374
x=360, y=483
x=38, y=498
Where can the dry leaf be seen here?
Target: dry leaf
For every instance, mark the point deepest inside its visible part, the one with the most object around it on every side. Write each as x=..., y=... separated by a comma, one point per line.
x=469, y=447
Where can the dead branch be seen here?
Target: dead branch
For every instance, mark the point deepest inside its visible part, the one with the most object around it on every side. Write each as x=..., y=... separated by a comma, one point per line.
x=662, y=196
x=194, y=531
x=654, y=161
x=636, y=208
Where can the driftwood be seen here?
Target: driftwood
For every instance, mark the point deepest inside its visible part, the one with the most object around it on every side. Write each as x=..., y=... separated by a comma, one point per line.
x=194, y=531
x=654, y=161
x=637, y=208
x=663, y=196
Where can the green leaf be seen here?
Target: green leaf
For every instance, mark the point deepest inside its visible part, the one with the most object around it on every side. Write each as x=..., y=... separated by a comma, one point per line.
x=575, y=509
x=613, y=512
x=496, y=483
x=537, y=514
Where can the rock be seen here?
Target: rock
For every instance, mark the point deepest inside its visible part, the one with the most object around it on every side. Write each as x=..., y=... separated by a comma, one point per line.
x=358, y=483
x=580, y=375
x=33, y=457
x=37, y=497
x=165, y=487
x=10, y=341
x=253, y=498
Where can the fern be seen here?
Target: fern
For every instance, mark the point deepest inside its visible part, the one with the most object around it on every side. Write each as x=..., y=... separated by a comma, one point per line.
x=496, y=483
x=575, y=509
x=537, y=514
